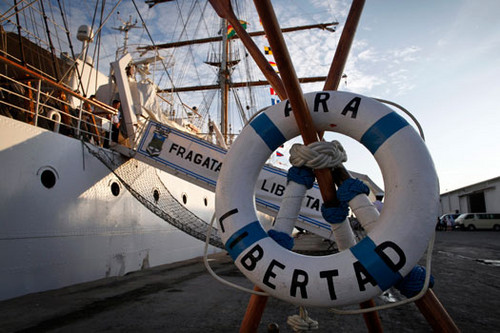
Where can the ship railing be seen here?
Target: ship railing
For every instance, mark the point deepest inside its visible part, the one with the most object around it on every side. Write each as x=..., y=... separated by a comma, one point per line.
x=44, y=106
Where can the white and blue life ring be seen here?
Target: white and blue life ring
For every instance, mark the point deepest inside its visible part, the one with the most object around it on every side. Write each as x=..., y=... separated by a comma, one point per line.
x=391, y=248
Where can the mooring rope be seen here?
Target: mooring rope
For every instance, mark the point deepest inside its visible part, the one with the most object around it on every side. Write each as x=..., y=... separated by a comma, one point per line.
x=302, y=322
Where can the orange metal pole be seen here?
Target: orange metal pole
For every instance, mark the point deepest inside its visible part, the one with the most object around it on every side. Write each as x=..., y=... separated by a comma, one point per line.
x=105, y=107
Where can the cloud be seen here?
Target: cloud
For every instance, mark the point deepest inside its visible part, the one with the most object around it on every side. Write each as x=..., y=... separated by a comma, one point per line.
x=374, y=70
x=406, y=54
x=368, y=55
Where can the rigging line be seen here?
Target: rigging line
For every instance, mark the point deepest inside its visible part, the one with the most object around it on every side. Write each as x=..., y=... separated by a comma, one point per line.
x=211, y=47
x=196, y=30
x=48, y=35
x=151, y=38
x=175, y=25
x=207, y=101
x=58, y=40
x=97, y=44
x=240, y=107
x=243, y=12
x=107, y=17
x=184, y=27
x=26, y=31
x=52, y=50
x=191, y=48
x=249, y=87
x=86, y=51
x=184, y=31
x=12, y=7
x=96, y=49
x=153, y=42
x=35, y=26
x=51, y=20
x=21, y=49
x=203, y=18
x=185, y=23
x=71, y=49
x=5, y=18
x=29, y=33
x=305, y=11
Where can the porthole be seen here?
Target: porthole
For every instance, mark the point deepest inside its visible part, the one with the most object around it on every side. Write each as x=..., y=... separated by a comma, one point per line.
x=184, y=198
x=115, y=188
x=205, y=201
x=156, y=195
x=48, y=176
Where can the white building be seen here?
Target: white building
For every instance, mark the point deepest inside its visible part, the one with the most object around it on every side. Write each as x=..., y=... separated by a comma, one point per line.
x=482, y=197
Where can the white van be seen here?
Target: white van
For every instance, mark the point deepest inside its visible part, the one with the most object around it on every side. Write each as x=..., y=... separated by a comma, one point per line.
x=473, y=221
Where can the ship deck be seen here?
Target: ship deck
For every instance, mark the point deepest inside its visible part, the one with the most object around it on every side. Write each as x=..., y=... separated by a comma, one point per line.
x=183, y=297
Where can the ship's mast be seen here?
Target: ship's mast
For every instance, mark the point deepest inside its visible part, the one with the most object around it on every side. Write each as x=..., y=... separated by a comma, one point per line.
x=224, y=80
x=215, y=61
x=126, y=27
x=224, y=61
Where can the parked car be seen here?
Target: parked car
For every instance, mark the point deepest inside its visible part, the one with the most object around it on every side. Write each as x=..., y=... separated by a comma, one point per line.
x=475, y=221
x=441, y=224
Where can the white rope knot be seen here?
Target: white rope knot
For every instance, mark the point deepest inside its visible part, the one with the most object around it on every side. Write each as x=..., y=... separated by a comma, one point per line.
x=318, y=155
x=302, y=322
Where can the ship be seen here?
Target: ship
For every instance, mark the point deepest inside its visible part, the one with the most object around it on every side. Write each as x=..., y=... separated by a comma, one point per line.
x=93, y=189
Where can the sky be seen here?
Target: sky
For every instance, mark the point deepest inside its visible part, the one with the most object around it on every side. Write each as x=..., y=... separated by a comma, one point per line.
x=440, y=60
x=436, y=58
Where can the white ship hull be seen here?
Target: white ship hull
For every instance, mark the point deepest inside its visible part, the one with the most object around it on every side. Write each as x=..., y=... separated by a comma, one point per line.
x=78, y=230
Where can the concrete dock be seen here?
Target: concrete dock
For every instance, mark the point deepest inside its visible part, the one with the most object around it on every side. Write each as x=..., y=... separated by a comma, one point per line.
x=183, y=297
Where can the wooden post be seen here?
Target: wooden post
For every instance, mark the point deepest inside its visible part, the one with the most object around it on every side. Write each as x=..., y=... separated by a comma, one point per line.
x=293, y=90
x=372, y=319
x=435, y=313
x=253, y=314
x=299, y=106
x=344, y=46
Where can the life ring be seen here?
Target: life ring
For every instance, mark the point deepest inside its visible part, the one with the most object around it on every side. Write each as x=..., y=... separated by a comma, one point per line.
x=392, y=247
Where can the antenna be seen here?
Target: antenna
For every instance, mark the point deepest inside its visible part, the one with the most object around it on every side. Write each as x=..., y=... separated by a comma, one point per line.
x=125, y=27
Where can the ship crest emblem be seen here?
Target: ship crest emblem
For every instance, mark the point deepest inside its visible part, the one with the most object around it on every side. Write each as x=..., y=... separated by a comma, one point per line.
x=156, y=144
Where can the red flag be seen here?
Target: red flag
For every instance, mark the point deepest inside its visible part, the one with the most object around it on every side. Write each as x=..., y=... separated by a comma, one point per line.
x=272, y=91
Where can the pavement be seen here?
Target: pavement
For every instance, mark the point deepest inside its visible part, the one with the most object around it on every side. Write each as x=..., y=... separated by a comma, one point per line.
x=183, y=297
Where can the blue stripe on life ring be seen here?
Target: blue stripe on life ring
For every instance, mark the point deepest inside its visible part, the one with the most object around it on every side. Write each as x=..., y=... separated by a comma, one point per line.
x=364, y=251
x=382, y=130
x=268, y=131
x=243, y=238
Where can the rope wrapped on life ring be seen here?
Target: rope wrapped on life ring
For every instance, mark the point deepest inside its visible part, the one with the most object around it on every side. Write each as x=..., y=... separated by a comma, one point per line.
x=394, y=243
